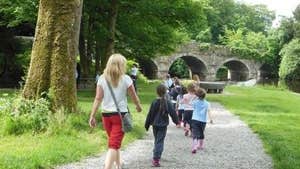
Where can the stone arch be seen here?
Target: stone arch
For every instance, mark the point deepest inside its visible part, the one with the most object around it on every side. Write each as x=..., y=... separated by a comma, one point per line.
x=149, y=68
x=237, y=69
x=212, y=58
x=196, y=65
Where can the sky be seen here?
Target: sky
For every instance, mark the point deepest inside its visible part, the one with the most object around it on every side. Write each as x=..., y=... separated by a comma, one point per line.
x=281, y=7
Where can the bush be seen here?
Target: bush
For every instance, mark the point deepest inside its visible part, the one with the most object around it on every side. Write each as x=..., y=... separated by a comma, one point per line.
x=289, y=71
x=22, y=115
x=18, y=115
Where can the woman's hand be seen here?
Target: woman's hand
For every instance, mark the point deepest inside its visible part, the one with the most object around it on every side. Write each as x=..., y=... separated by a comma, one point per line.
x=92, y=122
x=138, y=108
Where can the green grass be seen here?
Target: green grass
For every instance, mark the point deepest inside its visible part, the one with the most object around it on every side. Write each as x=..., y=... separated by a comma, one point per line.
x=271, y=113
x=274, y=115
x=29, y=151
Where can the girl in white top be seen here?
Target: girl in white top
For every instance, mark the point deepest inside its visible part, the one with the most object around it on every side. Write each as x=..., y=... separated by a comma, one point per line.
x=121, y=84
x=188, y=107
x=180, y=105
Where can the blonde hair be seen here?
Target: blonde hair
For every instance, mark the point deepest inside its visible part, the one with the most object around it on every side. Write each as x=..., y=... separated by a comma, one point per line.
x=196, y=78
x=115, y=68
x=191, y=87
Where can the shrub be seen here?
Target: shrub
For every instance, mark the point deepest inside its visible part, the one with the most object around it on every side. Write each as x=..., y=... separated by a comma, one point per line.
x=22, y=115
x=289, y=71
x=18, y=115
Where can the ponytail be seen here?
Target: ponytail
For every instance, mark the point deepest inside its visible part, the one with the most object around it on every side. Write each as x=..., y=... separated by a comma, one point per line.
x=161, y=92
x=163, y=105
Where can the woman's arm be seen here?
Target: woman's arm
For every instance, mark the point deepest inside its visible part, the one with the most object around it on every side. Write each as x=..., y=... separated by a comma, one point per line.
x=135, y=98
x=97, y=101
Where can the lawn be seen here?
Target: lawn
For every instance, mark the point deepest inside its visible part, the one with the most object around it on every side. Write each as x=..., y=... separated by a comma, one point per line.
x=273, y=114
x=28, y=151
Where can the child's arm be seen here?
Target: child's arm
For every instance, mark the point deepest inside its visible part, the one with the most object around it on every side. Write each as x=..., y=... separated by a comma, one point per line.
x=149, y=116
x=177, y=104
x=172, y=113
x=209, y=114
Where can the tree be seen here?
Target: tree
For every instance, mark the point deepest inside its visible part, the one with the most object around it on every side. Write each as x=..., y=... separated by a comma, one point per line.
x=148, y=28
x=257, y=42
x=53, y=59
x=228, y=14
x=297, y=18
x=112, y=20
x=289, y=71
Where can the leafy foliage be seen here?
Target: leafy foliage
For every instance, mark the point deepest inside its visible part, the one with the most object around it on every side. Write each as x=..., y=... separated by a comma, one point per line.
x=20, y=116
x=289, y=71
x=16, y=12
x=146, y=28
x=179, y=68
x=228, y=14
x=24, y=115
x=222, y=74
x=256, y=42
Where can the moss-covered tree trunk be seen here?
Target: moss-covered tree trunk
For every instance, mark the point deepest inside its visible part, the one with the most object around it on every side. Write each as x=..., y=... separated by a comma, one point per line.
x=53, y=60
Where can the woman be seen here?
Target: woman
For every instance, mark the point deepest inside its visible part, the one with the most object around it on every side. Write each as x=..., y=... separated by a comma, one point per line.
x=114, y=73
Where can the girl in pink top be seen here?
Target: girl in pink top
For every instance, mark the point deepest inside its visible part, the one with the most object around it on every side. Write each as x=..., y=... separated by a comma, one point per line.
x=188, y=107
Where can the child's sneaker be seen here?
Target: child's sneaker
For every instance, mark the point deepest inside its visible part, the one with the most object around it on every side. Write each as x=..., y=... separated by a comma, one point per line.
x=155, y=163
x=194, y=151
x=186, y=133
x=200, y=145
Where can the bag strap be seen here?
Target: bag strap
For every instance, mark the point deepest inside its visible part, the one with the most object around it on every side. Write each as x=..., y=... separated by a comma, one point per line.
x=113, y=96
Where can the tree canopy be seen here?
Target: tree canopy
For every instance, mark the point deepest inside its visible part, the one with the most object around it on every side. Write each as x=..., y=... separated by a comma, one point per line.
x=144, y=29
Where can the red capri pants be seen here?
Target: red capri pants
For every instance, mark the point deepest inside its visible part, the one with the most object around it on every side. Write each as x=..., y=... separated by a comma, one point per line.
x=113, y=126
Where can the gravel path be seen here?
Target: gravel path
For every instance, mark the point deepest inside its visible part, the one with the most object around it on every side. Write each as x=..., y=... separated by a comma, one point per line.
x=229, y=144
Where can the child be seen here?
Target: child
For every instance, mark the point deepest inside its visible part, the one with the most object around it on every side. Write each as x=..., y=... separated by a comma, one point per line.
x=199, y=119
x=179, y=104
x=133, y=75
x=159, y=119
x=188, y=107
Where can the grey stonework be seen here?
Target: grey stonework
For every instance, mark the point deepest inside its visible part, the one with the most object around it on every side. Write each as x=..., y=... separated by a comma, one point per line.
x=207, y=62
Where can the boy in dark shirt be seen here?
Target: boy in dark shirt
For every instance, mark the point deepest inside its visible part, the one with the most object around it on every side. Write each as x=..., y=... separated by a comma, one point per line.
x=158, y=117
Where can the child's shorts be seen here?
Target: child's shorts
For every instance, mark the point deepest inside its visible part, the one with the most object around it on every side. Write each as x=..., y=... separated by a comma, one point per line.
x=198, y=129
x=187, y=117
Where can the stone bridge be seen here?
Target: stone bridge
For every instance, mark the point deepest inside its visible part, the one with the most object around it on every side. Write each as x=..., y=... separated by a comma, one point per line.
x=206, y=63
